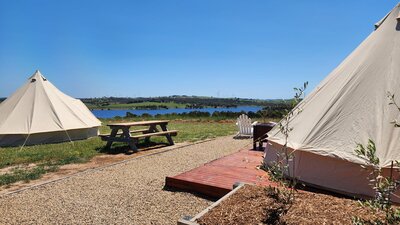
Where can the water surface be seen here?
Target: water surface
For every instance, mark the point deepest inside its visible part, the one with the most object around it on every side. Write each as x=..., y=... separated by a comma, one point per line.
x=122, y=112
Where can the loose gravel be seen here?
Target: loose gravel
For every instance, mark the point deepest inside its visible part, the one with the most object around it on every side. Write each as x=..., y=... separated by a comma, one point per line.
x=127, y=193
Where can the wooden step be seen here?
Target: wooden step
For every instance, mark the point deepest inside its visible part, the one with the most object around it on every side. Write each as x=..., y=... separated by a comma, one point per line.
x=161, y=133
x=217, y=177
x=210, y=190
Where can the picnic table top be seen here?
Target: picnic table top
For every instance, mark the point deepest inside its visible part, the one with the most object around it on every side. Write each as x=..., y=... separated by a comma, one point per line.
x=140, y=123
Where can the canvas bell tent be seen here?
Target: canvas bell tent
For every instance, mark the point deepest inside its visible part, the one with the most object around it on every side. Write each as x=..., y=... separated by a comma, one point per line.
x=39, y=113
x=349, y=106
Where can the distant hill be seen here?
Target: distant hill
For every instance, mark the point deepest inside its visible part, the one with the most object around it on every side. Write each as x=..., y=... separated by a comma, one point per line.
x=274, y=108
x=175, y=101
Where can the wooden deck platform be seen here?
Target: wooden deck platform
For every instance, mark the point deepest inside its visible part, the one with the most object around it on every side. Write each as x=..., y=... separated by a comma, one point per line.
x=216, y=178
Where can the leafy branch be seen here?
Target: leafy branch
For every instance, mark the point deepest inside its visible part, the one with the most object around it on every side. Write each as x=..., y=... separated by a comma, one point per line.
x=384, y=187
x=393, y=102
x=280, y=171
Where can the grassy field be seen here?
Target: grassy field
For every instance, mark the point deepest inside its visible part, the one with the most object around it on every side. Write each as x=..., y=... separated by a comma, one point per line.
x=170, y=105
x=33, y=161
x=194, y=130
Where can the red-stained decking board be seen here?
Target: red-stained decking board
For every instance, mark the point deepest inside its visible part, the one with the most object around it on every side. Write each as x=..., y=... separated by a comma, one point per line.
x=216, y=178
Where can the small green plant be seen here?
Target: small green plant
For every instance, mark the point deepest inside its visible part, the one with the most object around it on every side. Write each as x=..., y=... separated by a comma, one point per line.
x=281, y=204
x=393, y=102
x=280, y=170
x=384, y=187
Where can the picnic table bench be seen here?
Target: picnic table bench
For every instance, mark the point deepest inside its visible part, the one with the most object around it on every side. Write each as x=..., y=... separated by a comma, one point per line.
x=120, y=132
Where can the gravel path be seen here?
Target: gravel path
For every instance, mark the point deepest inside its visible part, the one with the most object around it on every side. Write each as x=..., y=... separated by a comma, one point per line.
x=128, y=193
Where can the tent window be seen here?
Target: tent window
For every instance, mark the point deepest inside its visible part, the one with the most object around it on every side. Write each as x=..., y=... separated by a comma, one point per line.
x=33, y=80
x=398, y=21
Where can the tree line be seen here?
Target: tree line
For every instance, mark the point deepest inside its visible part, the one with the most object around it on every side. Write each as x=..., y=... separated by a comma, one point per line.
x=193, y=102
x=275, y=113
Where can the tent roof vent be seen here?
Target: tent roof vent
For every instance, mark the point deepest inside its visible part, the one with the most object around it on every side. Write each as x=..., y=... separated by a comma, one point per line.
x=380, y=22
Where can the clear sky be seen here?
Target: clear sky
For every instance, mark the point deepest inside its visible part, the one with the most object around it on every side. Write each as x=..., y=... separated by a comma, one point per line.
x=223, y=48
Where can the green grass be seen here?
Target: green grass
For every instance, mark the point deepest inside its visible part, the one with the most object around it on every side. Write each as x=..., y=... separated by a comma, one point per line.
x=189, y=130
x=55, y=154
x=196, y=131
x=48, y=157
x=170, y=105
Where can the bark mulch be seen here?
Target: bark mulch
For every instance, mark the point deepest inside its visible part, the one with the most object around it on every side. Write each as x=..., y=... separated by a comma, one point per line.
x=256, y=205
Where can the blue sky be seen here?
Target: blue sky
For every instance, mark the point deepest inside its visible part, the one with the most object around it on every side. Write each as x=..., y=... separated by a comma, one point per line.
x=223, y=48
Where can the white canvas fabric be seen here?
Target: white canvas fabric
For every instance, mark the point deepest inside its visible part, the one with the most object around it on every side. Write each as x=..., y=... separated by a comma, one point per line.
x=38, y=107
x=348, y=107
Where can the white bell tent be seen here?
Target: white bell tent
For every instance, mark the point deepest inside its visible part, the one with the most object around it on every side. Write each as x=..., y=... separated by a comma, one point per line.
x=349, y=106
x=39, y=113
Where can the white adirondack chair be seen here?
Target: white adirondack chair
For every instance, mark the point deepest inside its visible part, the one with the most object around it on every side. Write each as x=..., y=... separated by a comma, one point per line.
x=245, y=126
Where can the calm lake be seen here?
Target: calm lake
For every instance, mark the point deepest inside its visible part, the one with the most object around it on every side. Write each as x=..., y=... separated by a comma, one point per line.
x=122, y=112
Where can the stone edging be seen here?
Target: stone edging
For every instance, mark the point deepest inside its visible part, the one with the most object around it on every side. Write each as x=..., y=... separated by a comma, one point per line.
x=187, y=220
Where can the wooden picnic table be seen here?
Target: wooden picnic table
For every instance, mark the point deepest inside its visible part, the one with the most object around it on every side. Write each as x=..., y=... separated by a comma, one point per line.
x=125, y=135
